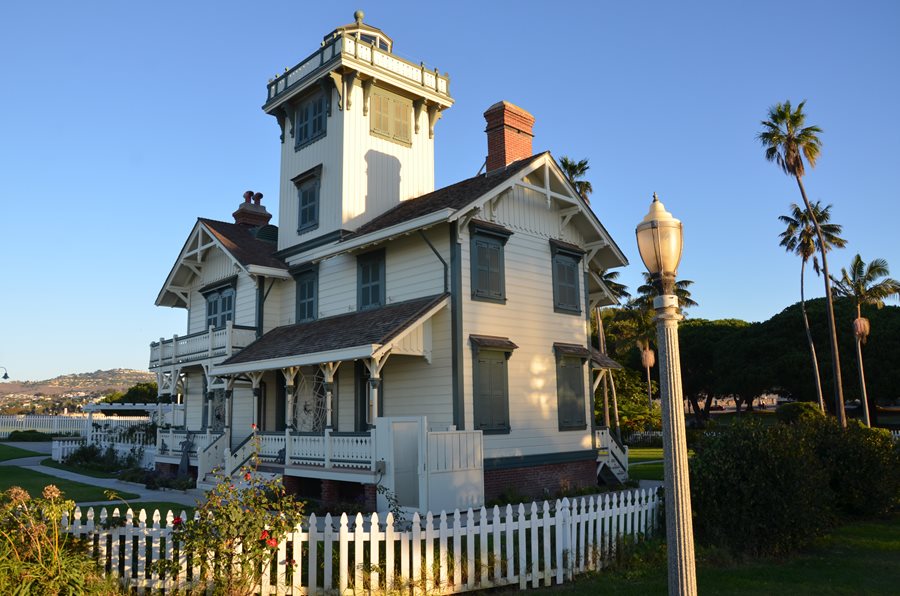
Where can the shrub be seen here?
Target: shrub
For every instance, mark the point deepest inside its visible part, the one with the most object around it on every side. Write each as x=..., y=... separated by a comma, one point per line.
x=792, y=412
x=236, y=532
x=31, y=436
x=863, y=465
x=759, y=490
x=36, y=556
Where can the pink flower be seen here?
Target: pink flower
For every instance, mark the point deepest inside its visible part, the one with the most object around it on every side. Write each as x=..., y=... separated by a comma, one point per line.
x=253, y=426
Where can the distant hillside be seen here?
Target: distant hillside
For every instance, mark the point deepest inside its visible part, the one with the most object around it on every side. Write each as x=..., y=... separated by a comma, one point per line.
x=100, y=381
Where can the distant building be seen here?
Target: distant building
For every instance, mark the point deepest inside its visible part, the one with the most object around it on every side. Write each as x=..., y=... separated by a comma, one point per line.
x=434, y=342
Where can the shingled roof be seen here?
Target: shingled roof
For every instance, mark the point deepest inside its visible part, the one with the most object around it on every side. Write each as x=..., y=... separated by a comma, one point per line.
x=243, y=245
x=455, y=196
x=359, y=328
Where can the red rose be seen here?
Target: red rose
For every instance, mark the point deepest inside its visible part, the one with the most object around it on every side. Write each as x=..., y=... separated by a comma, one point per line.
x=253, y=426
x=264, y=535
x=272, y=543
x=176, y=521
x=248, y=476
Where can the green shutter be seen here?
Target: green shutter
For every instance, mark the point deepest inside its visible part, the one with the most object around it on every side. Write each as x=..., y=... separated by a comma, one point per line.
x=570, y=392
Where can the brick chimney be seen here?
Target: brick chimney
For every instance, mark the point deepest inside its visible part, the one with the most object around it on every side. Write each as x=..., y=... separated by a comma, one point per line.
x=509, y=134
x=251, y=213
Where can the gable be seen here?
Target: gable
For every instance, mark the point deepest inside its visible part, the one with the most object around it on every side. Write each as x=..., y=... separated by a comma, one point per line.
x=202, y=250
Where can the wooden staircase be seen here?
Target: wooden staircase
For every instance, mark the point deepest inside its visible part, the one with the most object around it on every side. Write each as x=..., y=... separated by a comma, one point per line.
x=612, y=458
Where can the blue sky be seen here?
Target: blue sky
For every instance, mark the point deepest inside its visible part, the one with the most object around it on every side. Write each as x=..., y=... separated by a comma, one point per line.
x=123, y=122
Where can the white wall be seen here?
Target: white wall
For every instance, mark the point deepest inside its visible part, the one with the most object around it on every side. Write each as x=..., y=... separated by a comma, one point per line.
x=528, y=319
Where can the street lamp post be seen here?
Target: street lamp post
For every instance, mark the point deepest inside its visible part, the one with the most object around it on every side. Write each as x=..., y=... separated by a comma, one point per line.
x=5, y=376
x=659, y=238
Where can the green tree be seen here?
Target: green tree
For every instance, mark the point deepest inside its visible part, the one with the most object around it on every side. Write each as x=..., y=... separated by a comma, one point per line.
x=787, y=142
x=799, y=237
x=575, y=172
x=647, y=291
x=864, y=285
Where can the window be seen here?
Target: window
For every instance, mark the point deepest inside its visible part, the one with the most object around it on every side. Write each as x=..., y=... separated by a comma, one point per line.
x=308, y=185
x=307, y=282
x=487, y=266
x=566, y=265
x=490, y=382
x=219, y=307
x=570, y=386
x=391, y=116
x=371, y=280
x=310, y=120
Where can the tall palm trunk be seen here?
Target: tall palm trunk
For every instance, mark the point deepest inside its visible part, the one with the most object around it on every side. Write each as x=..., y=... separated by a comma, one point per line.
x=615, y=408
x=812, y=346
x=832, y=329
x=862, y=374
x=649, y=390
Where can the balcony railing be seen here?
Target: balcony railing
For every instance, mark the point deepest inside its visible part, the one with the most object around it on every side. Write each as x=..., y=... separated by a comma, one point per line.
x=213, y=342
x=351, y=47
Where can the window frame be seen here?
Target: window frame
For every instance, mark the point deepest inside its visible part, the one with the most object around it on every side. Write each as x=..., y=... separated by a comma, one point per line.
x=375, y=257
x=306, y=113
x=307, y=273
x=565, y=255
x=388, y=124
x=489, y=348
x=488, y=236
x=310, y=179
x=222, y=297
x=566, y=356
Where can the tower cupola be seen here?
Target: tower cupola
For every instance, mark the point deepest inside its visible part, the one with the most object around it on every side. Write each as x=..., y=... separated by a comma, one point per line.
x=357, y=133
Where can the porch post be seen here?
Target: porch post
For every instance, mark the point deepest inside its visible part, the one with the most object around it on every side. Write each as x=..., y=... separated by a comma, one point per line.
x=290, y=374
x=374, y=391
x=209, y=410
x=328, y=369
x=255, y=379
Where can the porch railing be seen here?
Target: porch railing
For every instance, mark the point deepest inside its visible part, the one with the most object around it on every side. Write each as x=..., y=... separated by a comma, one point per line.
x=210, y=343
x=168, y=441
x=329, y=449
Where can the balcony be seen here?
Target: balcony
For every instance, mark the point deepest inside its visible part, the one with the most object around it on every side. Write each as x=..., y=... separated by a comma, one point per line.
x=328, y=451
x=352, y=50
x=212, y=343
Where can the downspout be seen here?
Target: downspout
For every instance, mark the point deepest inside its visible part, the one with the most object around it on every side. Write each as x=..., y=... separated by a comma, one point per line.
x=260, y=304
x=261, y=295
x=456, y=346
x=440, y=258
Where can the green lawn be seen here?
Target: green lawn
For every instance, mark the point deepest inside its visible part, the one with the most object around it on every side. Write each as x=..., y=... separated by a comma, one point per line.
x=34, y=483
x=859, y=558
x=652, y=471
x=78, y=469
x=639, y=454
x=10, y=452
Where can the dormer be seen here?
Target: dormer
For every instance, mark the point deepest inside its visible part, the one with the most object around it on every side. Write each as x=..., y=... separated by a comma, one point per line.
x=357, y=134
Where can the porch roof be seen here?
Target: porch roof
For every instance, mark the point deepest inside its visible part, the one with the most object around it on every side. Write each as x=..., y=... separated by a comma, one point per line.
x=601, y=360
x=343, y=337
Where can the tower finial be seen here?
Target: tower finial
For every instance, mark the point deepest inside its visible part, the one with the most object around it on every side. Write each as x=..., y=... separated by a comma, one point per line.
x=655, y=198
x=359, y=16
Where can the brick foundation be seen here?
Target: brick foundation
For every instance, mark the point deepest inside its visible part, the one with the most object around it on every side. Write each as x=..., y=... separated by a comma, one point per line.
x=333, y=492
x=540, y=482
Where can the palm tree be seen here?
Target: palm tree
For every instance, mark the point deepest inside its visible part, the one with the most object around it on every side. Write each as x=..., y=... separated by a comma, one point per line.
x=648, y=291
x=800, y=238
x=787, y=142
x=575, y=171
x=862, y=285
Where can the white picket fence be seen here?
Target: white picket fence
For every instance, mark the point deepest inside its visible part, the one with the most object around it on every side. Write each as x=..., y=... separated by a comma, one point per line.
x=895, y=434
x=528, y=547
x=63, y=448
x=56, y=425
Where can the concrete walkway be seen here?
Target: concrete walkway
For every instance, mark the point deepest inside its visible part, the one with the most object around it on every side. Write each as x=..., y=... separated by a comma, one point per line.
x=190, y=497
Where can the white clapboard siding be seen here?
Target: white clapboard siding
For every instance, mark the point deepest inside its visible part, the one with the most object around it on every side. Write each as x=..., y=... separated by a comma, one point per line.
x=532, y=367
x=326, y=152
x=530, y=546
